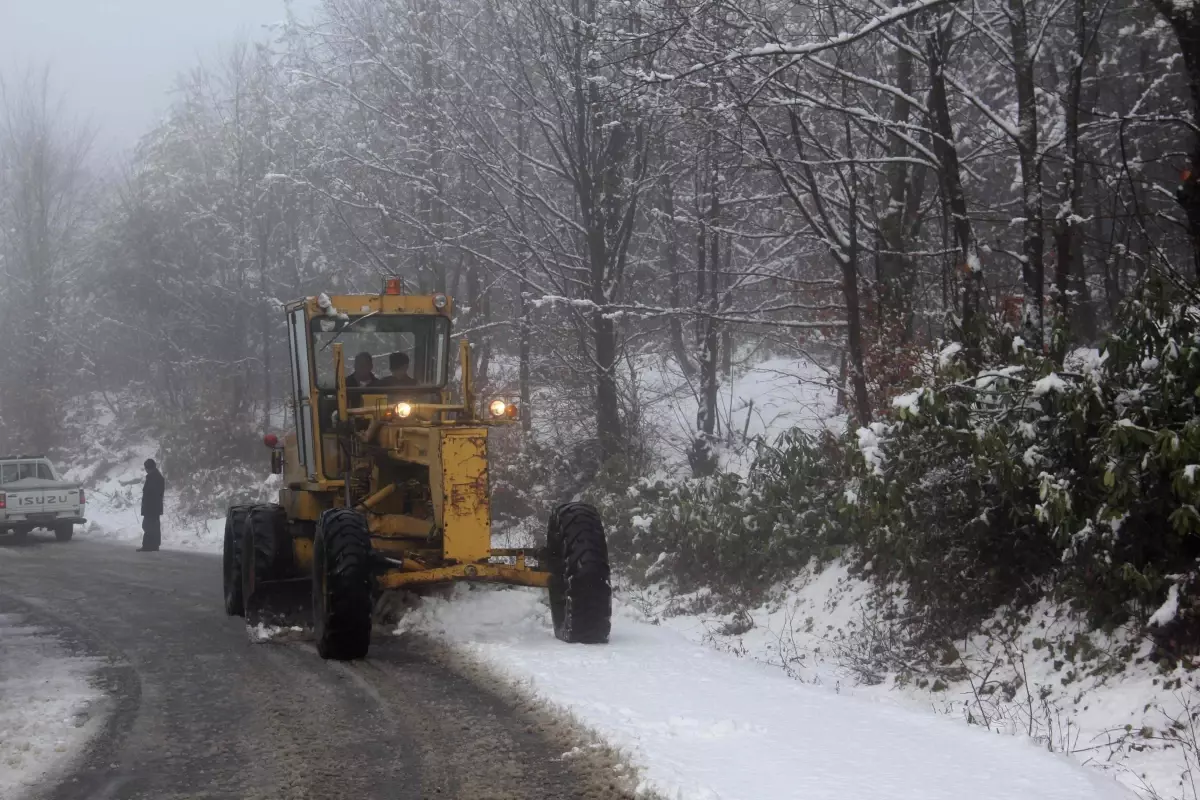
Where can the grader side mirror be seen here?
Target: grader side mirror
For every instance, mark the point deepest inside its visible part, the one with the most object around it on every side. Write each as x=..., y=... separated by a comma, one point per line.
x=272, y=442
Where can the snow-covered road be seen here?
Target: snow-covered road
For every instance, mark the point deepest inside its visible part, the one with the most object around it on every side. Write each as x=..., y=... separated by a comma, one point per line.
x=703, y=725
x=45, y=705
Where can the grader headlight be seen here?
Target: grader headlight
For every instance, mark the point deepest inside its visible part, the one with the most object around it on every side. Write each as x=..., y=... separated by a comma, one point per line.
x=404, y=410
x=501, y=409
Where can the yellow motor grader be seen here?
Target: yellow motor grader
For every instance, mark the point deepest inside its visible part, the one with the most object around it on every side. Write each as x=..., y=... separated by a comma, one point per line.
x=385, y=483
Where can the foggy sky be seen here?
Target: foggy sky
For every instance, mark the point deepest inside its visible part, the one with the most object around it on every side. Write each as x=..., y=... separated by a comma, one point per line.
x=116, y=61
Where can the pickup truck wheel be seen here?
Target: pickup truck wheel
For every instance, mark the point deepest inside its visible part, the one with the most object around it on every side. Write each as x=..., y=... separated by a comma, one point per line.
x=20, y=535
x=231, y=559
x=341, y=583
x=64, y=532
x=580, y=587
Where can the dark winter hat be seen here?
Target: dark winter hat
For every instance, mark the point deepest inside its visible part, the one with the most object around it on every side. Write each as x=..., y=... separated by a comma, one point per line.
x=150, y=464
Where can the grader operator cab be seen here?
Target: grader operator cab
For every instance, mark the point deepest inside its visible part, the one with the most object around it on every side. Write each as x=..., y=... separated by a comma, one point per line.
x=385, y=483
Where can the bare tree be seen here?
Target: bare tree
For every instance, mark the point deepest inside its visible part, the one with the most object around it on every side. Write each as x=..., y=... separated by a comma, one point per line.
x=45, y=190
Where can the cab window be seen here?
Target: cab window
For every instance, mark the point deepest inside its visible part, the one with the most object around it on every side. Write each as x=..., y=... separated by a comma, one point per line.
x=423, y=339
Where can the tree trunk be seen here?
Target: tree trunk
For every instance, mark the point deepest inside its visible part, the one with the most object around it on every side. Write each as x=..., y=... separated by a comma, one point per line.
x=1033, y=268
x=955, y=198
x=895, y=300
x=1112, y=288
x=1185, y=20
x=1069, y=277
x=670, y=261
x=523, y=287
x=854, y=343
x=523, y=370
x=703, y=458
x=266, y=313
x=608, y=407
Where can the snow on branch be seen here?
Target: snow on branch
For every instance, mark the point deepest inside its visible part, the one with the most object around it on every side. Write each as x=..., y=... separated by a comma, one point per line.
x=802, y=51
x=641, y=311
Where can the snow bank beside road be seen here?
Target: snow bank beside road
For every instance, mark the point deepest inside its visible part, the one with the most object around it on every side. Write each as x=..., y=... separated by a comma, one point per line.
x=1096, y=696
x=45, y=698
x=703, y=725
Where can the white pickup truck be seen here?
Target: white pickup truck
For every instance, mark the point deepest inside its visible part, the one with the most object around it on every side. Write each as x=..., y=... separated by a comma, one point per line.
x=33, y=495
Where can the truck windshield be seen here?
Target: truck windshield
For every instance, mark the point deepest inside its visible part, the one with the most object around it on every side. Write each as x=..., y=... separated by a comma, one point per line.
x=383, y=351
x=21, y=470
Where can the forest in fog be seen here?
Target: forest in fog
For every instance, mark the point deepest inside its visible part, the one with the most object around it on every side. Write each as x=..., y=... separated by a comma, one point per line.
x=975, y=220
x=599, y=181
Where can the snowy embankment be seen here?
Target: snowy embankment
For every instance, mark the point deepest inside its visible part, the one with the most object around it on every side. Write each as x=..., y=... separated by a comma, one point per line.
x=1093, y=696
x=703, y=725
x=45, y=702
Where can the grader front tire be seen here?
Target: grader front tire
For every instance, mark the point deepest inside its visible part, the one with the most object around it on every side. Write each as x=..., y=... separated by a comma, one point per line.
x=341, y=583
x=580, y=587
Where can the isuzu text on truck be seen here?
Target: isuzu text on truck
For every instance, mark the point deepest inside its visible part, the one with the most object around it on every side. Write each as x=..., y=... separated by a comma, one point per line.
x=33, y=495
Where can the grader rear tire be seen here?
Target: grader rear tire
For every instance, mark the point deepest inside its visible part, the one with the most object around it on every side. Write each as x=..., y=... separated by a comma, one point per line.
x=580, y=587
x=231, y=560
x=341, y=583
x=260, y=554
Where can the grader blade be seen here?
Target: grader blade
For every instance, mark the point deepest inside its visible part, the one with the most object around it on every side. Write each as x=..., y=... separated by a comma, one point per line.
x=281, y=603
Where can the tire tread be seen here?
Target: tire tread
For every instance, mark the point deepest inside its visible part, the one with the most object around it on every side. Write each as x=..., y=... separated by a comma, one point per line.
x=345, y=632
x=231, y=559
x=580, y=587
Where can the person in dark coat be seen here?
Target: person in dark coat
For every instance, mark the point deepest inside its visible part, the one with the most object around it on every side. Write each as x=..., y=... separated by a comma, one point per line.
x=152, y=508
x=363, y=375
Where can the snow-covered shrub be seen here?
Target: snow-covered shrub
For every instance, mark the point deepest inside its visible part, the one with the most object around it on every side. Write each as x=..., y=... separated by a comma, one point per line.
x=1133, y=532
x=527, y=477
x=995, y=485
x=950, y=487
x=736, y=535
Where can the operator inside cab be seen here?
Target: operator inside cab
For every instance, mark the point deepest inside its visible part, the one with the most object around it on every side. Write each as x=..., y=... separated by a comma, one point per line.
x=398, y=363
x=363, y=374
x=364, y=377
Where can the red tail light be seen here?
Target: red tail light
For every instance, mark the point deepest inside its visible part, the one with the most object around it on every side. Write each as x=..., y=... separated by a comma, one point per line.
x=3, y=502
x=81, y=498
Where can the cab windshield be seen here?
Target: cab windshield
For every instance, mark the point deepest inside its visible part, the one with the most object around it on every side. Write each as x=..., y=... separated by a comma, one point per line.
x=383, y=351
